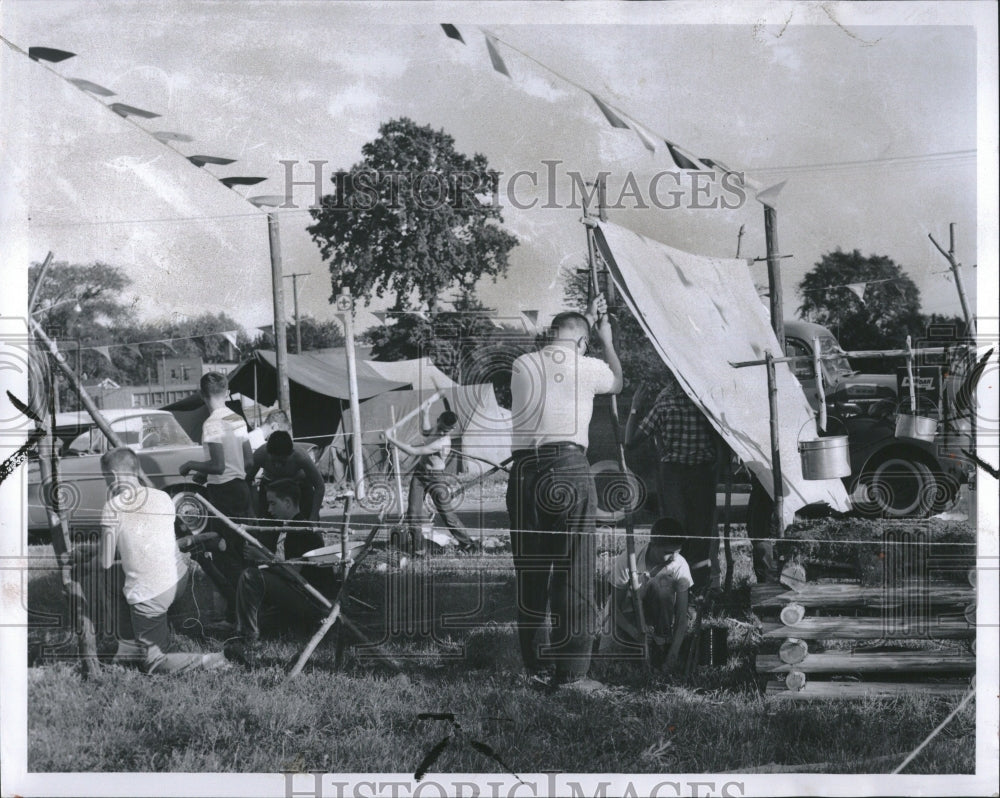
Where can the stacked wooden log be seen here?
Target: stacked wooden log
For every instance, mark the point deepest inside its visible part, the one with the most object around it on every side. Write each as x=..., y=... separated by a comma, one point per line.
x=911, y=636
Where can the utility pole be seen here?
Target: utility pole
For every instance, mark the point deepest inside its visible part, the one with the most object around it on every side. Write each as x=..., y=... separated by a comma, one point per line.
x=280, y=339
x=970, y=319
x=295, y=300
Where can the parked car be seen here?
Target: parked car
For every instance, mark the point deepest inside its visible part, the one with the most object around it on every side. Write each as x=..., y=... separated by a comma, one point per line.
x=155, y=435
x=162, y=445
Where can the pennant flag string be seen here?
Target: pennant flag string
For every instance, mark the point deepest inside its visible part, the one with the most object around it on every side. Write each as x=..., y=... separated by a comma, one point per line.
x=229, y=335
x=615, y=117
x=127, y=112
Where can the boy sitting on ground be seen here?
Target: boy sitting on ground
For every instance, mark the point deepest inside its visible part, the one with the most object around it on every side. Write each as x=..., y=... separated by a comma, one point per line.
x=275, y=585
x=138, y=522
x=664, y=582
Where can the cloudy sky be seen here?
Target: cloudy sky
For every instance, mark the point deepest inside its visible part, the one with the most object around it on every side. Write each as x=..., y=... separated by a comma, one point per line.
x=872, y=121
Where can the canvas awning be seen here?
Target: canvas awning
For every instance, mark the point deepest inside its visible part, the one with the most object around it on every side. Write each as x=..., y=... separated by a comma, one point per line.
x=700, y=314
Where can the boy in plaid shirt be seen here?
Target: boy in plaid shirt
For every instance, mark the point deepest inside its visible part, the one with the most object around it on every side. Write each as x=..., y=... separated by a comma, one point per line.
x=689, y=451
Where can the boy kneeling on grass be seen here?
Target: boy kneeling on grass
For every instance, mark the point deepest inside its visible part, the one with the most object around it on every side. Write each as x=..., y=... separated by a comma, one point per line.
x=138, y=522
x=664, y=581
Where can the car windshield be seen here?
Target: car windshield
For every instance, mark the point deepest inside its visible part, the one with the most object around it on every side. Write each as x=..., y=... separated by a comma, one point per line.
x=836, y=367
x=150, y=431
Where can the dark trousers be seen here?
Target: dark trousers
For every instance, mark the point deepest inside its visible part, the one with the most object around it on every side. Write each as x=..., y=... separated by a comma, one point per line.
x=552, y=490
x=687, y=493
x=258, y=587
x=232, y=499
x=435, y=483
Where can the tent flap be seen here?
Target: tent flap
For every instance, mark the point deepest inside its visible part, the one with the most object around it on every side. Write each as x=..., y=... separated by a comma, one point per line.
x=701, y=314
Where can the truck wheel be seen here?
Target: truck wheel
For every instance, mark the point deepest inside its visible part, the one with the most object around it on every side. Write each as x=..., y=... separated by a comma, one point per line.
x=896, y=487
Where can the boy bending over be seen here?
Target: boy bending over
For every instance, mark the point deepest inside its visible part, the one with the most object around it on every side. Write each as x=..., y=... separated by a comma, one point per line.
x=664, y=581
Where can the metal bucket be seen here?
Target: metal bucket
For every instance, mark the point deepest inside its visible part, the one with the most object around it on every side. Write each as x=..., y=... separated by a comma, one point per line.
x=825, y=458
x=920, y=428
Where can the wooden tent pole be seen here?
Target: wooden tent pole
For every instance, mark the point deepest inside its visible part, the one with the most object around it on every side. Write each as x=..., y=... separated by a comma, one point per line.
x=633, y=568
x=777, y=522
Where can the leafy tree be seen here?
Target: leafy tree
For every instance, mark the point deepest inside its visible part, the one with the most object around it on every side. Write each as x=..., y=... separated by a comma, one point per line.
x=413, y=217
x=315, y=335
x=889, y=311
x=462, y=342
x=640, y=362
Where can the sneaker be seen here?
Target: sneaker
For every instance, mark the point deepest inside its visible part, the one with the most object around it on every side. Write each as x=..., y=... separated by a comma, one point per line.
x=584, y=685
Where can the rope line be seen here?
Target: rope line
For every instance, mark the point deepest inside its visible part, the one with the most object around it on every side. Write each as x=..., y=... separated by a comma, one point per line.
x=933, y=734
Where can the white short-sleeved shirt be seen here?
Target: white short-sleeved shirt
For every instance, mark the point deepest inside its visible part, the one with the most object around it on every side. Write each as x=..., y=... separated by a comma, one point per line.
x=140, y=524
x=552, y=395
x=676, y=573
x=226, y=427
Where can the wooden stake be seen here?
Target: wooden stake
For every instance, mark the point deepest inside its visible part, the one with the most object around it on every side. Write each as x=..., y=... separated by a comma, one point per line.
x=394, y=453
x=820, y=389
x=778, y=517
x=909, y=375
x=970, y=319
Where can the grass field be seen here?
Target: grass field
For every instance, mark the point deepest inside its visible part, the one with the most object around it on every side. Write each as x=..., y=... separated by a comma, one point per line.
x=363, y=717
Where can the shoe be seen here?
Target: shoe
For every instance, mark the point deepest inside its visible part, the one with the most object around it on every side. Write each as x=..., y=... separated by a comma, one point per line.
x=241, y=652
x=584, y=685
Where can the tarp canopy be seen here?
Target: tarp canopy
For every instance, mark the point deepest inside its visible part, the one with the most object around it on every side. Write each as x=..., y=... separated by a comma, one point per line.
x=421, y=373
x=318, y=388
x=701, y=314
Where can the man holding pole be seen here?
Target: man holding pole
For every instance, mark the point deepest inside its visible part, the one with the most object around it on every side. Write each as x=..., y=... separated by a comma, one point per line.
x=551, y=496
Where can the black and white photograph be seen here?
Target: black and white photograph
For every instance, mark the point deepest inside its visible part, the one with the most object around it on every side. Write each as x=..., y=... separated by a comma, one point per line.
x=499, y=399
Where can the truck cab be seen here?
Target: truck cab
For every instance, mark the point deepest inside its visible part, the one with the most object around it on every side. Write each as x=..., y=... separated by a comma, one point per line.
x=890, y=477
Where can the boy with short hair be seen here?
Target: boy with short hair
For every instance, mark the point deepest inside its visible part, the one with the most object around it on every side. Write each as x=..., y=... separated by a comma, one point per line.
x=429, y=477
x=138, y=522
x=226, y=442
x=664, y=582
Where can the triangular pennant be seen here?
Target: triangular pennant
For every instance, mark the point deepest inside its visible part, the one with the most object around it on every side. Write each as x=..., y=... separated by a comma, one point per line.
x=201, y=160
x=167, y=344
x=166, y=135
x=531, y=316
x=611, y=116
x=104, y=352
x=48, y=54
x=229, y=182
x=452, y=32
x=230, y=335
x=135, y=349
x=93, y=88
x=679, y=159
x=769, y=195
x=130, y=110
x=858, y=289
x=646, y=139
x=498, y=63
x=380, y=315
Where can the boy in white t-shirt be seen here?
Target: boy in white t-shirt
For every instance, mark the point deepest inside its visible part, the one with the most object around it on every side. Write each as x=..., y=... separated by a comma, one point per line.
x=138, y=523
x=664, y=582
x=226, y=441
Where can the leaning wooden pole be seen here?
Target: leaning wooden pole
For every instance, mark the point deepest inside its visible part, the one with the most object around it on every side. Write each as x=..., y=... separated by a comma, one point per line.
x=778, y=517
x=633, y=568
